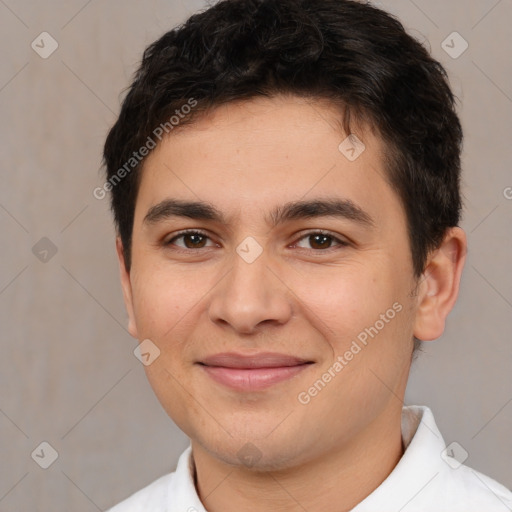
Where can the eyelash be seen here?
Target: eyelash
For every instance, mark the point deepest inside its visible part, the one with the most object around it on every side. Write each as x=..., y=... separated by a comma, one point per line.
x=181, y=234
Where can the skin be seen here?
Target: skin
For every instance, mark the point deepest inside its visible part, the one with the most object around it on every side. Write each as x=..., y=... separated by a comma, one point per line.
x=299, y=297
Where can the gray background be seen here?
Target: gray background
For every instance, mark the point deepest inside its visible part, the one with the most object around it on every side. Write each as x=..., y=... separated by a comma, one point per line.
x=68, y=375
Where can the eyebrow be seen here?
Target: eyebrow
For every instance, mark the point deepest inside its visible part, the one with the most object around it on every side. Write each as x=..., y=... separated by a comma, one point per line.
x=294, y=210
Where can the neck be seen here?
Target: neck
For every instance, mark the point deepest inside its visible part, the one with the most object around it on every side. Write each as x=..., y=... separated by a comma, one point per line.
x=344, y=476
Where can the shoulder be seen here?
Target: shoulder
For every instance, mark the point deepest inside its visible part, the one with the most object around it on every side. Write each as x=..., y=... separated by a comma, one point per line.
x=447, y=481
x=152, y=498
x=476, y=490
x=431, y=475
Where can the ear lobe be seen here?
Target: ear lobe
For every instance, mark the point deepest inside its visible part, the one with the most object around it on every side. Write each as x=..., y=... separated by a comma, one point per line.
x=127, y=288
x=439, y=286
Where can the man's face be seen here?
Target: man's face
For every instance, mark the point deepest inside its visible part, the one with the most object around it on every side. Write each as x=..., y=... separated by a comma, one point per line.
x=321, y=291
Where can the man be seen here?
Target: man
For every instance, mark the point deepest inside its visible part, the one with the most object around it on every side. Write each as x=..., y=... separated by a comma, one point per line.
x=285, y=185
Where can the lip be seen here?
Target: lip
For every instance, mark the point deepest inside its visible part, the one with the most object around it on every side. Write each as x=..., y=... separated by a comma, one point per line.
x=252, y=372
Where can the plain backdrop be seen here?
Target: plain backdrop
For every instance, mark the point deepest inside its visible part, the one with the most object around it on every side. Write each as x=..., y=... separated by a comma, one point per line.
x=68, y=376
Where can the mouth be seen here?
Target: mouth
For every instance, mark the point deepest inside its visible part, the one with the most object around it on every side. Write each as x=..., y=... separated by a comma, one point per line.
x=252, y=373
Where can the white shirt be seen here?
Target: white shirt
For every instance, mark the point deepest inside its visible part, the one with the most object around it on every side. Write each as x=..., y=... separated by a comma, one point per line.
x=428, y=478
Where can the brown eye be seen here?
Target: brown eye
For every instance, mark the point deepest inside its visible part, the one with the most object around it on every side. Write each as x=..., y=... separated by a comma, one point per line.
x=193, y=241
x=320, y=241
x=189, y=240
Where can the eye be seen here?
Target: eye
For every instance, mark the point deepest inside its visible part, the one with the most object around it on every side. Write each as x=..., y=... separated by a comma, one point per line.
x=320, y=240
x=190, y=240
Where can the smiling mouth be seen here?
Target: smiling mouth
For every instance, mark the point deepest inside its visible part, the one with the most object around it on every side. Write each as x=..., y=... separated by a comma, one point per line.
x=252, y=373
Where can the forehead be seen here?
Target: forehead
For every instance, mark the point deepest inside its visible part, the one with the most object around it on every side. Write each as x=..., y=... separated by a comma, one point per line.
x=246, y=156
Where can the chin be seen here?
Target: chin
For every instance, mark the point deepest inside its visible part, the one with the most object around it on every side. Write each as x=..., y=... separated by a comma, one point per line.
x=257, y=452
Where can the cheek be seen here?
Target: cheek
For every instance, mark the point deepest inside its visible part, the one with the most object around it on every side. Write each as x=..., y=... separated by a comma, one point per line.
x=160, y=299
x=341, y=302
x=170, y=301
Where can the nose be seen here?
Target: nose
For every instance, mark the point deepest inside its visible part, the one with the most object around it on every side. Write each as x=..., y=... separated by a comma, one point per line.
x=250, y=296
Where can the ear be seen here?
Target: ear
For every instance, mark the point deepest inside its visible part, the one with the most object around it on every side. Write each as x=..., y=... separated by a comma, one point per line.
x=438, y=287
x=127, y=288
